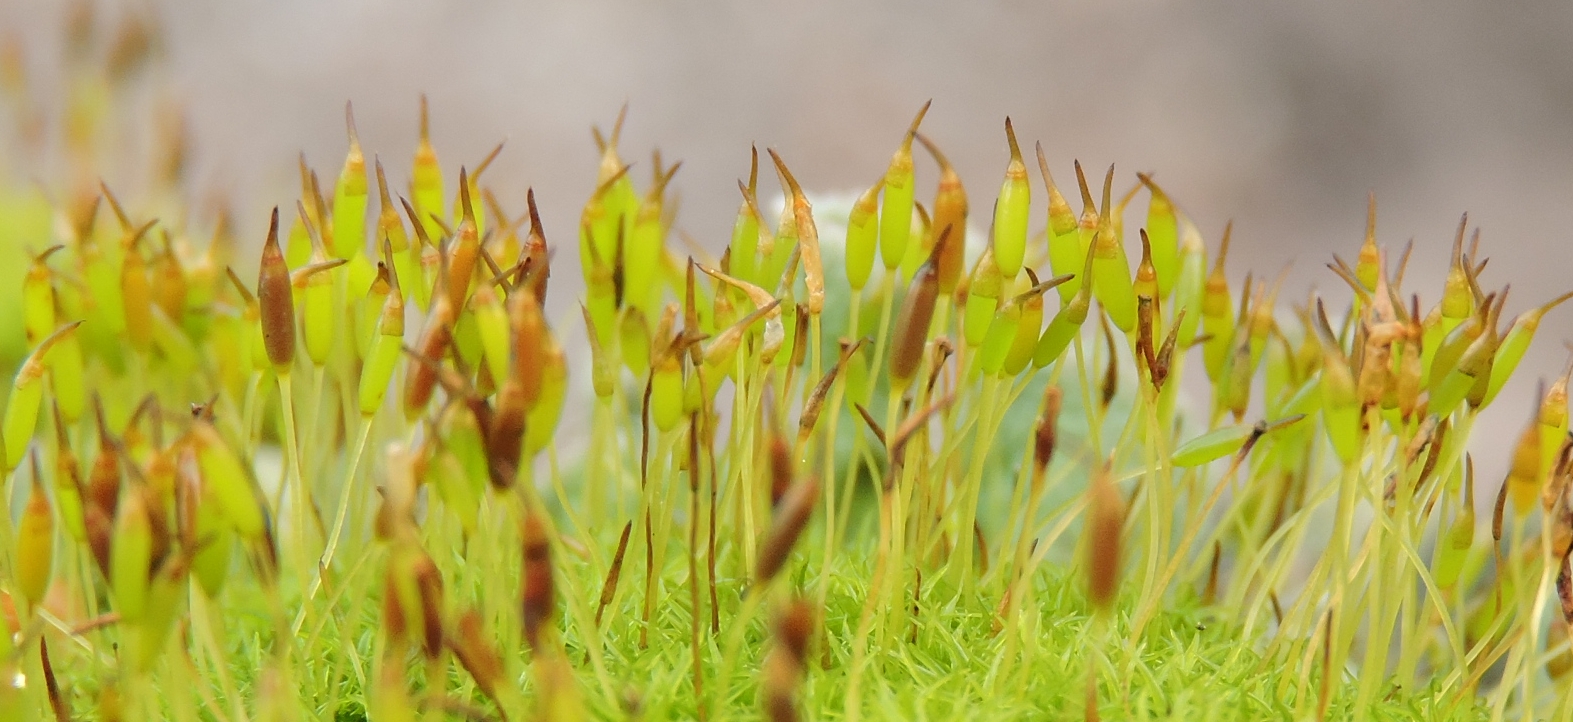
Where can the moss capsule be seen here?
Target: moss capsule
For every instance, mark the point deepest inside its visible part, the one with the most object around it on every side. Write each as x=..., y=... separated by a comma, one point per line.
x=895, y=213
x=1011, y=211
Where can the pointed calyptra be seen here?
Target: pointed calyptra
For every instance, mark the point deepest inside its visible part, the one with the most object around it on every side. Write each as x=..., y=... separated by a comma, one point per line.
x=895, y=213
x=1011, y=211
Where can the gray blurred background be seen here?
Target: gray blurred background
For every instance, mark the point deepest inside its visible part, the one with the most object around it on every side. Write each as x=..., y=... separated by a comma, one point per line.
x=1281, y=116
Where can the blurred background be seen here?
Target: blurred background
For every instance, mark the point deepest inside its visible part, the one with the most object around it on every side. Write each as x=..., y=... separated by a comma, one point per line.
x=1280, y=116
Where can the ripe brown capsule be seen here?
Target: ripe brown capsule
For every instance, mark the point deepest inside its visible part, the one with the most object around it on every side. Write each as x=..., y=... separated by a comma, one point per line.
x=539, y=596
x=791, y=516
x=912, y=326
x=276, y=301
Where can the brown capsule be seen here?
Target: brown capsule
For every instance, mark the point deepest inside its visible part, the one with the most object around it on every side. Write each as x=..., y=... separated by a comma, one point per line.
x=1046, y=435
x=539, y=596
x=1105, y=517
x=791, y=516
x=474, y=650
x=609, y=588
x=816, y=399
x=276, y=301
x=780, y=468
x=912, y=324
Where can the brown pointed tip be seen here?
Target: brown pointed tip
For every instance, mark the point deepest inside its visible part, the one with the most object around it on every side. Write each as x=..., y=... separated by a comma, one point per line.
x=1043, y=167
x=912, y=131
x=1081, y=182
x=1010, y=137
x=421, y=238
x=464, y=195
x=382, y=181
x=114, y=204
x=1146, y=248
x=753, y=171
x=786, y=174
x=535, y=213
x=1108, y=187
x=349, y=124
x=487, y=161
x=425, y=121
x=939, y=157
x=1370, y=215
x=617, y=127
x=273, y=231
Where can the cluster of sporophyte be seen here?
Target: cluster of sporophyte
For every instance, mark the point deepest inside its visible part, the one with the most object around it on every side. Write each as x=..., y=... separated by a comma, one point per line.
x=806, y=488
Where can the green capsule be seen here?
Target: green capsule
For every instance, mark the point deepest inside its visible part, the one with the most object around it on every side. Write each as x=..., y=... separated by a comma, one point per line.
x=1460, y=382
x=131, y=556
x=1515, y=343
x=1191, y=284
x=601, y=231
x=1062, y=329
x=27, y=395
x=350, y=196
x=1453, y=549
x=426, y=181
x=1067, y=251
x=1218, y=310
x=745, y=230
x=1163, y=230
x=1368, y=266
x=1011, y=212
x=983, y=295
x=666, y=392
x=895, y=213
x=381, y=360
x=1111, y=269
x=1212, y=445
x=1000, y=338
x=67, y=379
x=1028, y=324
x=210, y=564
x=38, y=298
x=230, y=483
x=35, y=543
x=642, y=254
x=369, y=310
x=491, y=326
x=862, y=237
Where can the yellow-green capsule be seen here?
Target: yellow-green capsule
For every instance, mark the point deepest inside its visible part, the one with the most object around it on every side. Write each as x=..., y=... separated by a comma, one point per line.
x=1028, y=324
x=68, y=482
x=131, y=556
x=1163, y=230
x=67, y=377
x=369, y=309
x=390, y=229
x=350, y=196
x=983, y=295
x=1340, y=402
x=1515, y=343
x=1067, y=249
x=27, y=395
x=136, y=294
x=1000, y=337
x=1524, y=480
x=603, y=369
x=601, y=231
x=1553, y=419
x=38, y=298
x=1011, y=211
x=666, y=391
x=383, y=357
x=949, y=220
x=35, y=543
x=1218, y=310
x=862, y=237
x=1062, y=329
x=227, y=478
x=920, y=245
x=642, y=252
x=1212, y=445
x=1473, y=369
x=1190, y=285
x=314, y=288
x=1368, y=266
x=895, y=213
x=1453, y=550
x=426, y=179
x=210, y=564
x=1111, y=271
x=745, y=230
